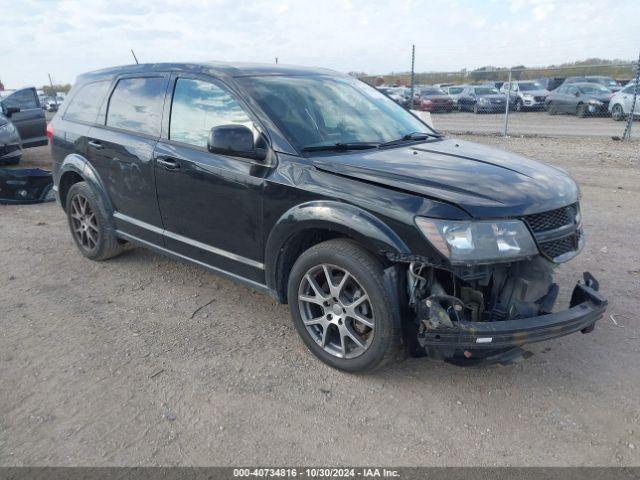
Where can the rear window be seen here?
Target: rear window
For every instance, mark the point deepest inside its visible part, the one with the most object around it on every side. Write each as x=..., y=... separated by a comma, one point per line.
x=136, y=105
x=86, y=103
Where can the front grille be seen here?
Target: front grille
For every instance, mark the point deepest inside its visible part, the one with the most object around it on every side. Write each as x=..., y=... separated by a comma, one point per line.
x=540, y=99
x=554, y=248
x=554, y=244
x=541, y=222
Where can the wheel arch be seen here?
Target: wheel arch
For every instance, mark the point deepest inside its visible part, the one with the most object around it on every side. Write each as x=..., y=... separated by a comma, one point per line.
x=74, y=169
x=311, y=223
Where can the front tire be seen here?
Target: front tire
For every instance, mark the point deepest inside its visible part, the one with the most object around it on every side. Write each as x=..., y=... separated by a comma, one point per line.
x=581, y=110
x=551, y=108
x=342, y=308
x=89, y=223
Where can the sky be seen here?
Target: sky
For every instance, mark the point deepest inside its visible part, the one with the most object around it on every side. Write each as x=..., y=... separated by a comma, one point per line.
x=66, y=38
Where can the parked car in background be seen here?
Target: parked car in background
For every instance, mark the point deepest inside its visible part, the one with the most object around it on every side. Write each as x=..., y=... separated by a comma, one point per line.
x=50, y=104
x=10, y=144
x=454, y=92
x=526, y=95
x=607, y=82
x=23, y=108
x=621, y=102
x=482, y=99
x=433, y=99
x=393, y=93
x=551, y=83
x=581, y=99
x=443, y=86
x=494, y=84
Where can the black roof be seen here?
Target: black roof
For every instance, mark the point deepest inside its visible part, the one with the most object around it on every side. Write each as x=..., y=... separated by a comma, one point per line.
x=211, y=68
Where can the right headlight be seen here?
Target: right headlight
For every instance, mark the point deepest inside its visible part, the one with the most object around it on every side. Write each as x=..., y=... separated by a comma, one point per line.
x=466, y=242
x=7, y=127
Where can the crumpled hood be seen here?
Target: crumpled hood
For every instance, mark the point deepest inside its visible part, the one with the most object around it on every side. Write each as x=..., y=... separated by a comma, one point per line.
x=484, y=181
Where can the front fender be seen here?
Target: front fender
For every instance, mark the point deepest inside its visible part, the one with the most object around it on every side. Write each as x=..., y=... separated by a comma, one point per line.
x=351, y=221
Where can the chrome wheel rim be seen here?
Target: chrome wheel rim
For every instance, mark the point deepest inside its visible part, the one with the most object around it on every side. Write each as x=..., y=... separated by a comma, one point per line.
x=336, y=311
x=84, y=223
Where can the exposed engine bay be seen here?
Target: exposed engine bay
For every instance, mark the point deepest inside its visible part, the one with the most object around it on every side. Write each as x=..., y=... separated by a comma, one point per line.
x=460, y=299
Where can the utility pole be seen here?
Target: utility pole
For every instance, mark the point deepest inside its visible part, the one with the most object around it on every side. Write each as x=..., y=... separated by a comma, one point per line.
x=636, y=91
x=506, y=108
x=55, y=97
x=276, y=60
x=413, y=73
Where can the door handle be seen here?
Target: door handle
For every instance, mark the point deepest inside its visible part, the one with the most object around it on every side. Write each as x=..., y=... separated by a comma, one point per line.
x=95, y=144
x=168, y=163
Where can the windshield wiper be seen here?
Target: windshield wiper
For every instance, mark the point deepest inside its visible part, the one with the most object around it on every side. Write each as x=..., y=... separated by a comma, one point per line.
x=340, y=146
x=409, y=137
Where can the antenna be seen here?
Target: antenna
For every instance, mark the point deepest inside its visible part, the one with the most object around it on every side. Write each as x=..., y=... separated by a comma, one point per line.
x=134, y=57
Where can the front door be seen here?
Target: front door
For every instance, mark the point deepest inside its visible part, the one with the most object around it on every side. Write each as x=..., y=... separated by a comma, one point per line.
x=122, y=153
x=30, y=120
x=211, y=204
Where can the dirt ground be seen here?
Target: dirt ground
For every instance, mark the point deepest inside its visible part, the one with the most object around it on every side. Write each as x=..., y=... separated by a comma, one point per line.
x=106, y=363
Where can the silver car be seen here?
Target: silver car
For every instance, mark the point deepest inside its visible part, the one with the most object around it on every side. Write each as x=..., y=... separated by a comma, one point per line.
x=620, y=104
x=526, y=95
x=454, y=92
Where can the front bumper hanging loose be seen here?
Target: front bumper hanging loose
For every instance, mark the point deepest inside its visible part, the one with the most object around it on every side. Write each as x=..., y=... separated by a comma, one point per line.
x=586, y=307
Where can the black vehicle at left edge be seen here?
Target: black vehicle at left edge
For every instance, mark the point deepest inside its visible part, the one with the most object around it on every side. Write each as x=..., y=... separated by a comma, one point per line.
x=312, y=187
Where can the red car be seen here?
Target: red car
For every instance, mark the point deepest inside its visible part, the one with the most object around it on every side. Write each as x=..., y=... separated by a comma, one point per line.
x=434, y=99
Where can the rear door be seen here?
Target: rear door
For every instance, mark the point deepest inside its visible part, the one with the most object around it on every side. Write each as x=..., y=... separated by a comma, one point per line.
x=121, y=150
x=211, y=204
x=30, y=120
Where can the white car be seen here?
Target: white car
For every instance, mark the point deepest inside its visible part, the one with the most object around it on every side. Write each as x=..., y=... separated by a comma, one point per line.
x=621, y=102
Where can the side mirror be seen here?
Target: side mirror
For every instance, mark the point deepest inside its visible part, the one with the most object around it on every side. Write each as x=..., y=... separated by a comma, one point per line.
x=8, y=111
x=234, y=140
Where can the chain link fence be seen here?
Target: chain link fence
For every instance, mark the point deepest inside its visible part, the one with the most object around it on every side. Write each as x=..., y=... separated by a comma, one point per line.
x=577, y=100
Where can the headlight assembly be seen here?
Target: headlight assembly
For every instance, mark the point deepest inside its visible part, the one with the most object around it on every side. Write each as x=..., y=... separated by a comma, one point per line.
x=465, y=242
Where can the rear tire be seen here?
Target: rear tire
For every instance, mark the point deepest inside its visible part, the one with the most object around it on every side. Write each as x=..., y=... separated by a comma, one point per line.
x=551, y=109
x=325, y=283
x=617, y=113
x=90, y=224
x=581, y=110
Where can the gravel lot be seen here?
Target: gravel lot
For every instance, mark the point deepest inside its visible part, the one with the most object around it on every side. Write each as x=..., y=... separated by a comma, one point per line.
x=106, y=364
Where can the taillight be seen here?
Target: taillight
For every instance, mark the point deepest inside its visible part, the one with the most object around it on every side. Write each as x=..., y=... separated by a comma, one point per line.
x=49, y=132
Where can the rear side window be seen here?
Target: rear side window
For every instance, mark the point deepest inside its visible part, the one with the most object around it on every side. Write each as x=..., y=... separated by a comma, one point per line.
x=199, y=106
x=136, y=105
x=85, y=104
x=23, y=99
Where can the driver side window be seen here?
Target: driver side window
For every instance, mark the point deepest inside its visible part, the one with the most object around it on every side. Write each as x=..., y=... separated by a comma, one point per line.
x=197, y=107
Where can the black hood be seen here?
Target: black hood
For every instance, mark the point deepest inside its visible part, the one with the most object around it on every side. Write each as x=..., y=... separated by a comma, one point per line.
x=486, y=182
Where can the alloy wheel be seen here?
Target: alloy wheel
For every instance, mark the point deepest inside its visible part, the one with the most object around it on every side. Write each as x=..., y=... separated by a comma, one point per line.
x=336, y=311
x=84, y=222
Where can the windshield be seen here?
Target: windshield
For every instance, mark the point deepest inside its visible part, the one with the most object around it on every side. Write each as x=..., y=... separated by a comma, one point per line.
x=432, y=91
x=527, y=87
x=594, y=89
x=486, y=91
x=324, y=110
x=603, y=81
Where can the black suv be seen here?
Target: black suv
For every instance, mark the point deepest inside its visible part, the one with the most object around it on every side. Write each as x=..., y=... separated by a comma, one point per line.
x=317, y=189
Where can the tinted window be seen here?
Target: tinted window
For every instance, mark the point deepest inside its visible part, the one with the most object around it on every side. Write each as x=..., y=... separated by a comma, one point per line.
x=23, y=99
x=85, y=104
x=197, y=107
x=136, y=104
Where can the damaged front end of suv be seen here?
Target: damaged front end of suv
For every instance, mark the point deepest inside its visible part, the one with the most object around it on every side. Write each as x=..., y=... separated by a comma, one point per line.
x=496, y=292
